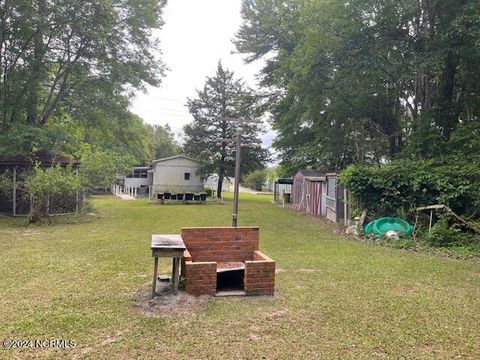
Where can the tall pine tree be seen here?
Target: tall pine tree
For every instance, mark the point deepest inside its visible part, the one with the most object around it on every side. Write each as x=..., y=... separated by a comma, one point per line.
x=222, y=96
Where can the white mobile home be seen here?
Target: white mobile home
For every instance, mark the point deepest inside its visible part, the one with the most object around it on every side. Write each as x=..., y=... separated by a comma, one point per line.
x=139, y=179
x=176, y=174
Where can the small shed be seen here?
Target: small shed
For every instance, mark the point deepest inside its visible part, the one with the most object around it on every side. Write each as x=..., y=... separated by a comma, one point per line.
x=282, y=190
x=307, y=190
x=176, y=174
x=316, y=192
x=14, y=170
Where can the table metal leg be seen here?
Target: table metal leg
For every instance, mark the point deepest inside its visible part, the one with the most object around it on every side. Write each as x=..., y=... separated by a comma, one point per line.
x=155, y=274
x=176, y=274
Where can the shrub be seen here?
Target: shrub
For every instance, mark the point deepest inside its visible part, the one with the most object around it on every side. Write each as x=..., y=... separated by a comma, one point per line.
x=6, y=183
x=444, y=235
x=43, y=183
x=404, y=185
x=209, y=192
x=255, y=179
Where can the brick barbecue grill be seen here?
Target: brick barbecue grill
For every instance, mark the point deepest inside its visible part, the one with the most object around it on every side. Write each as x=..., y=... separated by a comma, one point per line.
x=219, y=259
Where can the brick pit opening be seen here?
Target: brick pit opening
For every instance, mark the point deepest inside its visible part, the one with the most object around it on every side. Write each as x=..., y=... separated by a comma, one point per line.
x=226, y=259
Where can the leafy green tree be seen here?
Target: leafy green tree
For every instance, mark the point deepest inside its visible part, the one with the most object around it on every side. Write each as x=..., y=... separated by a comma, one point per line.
x=42, y=184
x=99, y=169
x=255, y=179
x=165, y=144
x=82, y=58
x=222, y=96
x=126, y=136
x=364, y=81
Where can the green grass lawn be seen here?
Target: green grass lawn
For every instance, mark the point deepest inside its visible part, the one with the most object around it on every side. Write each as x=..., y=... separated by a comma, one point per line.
x=336, y=298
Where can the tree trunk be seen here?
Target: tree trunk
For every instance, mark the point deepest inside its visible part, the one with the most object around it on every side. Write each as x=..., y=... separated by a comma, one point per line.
x=38, y=68
x=220, y=184
x=221, y=171
x=3, y=62
x=447, y=117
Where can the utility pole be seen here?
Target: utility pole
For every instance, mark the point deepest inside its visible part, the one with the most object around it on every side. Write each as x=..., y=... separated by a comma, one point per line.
x=238, y=143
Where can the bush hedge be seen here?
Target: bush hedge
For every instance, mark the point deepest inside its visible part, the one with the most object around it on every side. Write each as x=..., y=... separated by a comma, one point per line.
x=400, y=187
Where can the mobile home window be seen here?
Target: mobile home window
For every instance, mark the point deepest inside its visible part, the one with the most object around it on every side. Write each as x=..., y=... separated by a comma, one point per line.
x=186, y=176
x=138, y=174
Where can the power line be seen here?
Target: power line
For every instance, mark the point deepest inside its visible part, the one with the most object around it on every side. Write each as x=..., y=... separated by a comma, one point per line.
x=165, y=98
x=162, y=109
x=161, y=112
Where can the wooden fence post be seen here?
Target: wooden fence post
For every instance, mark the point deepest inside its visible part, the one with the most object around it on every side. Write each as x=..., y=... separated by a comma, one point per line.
x=76, y=194
x=14, y=191
x=346, y=218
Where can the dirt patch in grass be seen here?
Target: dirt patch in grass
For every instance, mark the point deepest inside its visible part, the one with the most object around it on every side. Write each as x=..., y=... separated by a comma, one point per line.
x=277, y=314
x=165, y=303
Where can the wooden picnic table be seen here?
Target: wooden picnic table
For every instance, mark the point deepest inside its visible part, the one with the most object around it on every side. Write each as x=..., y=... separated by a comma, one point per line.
x=167, y=245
